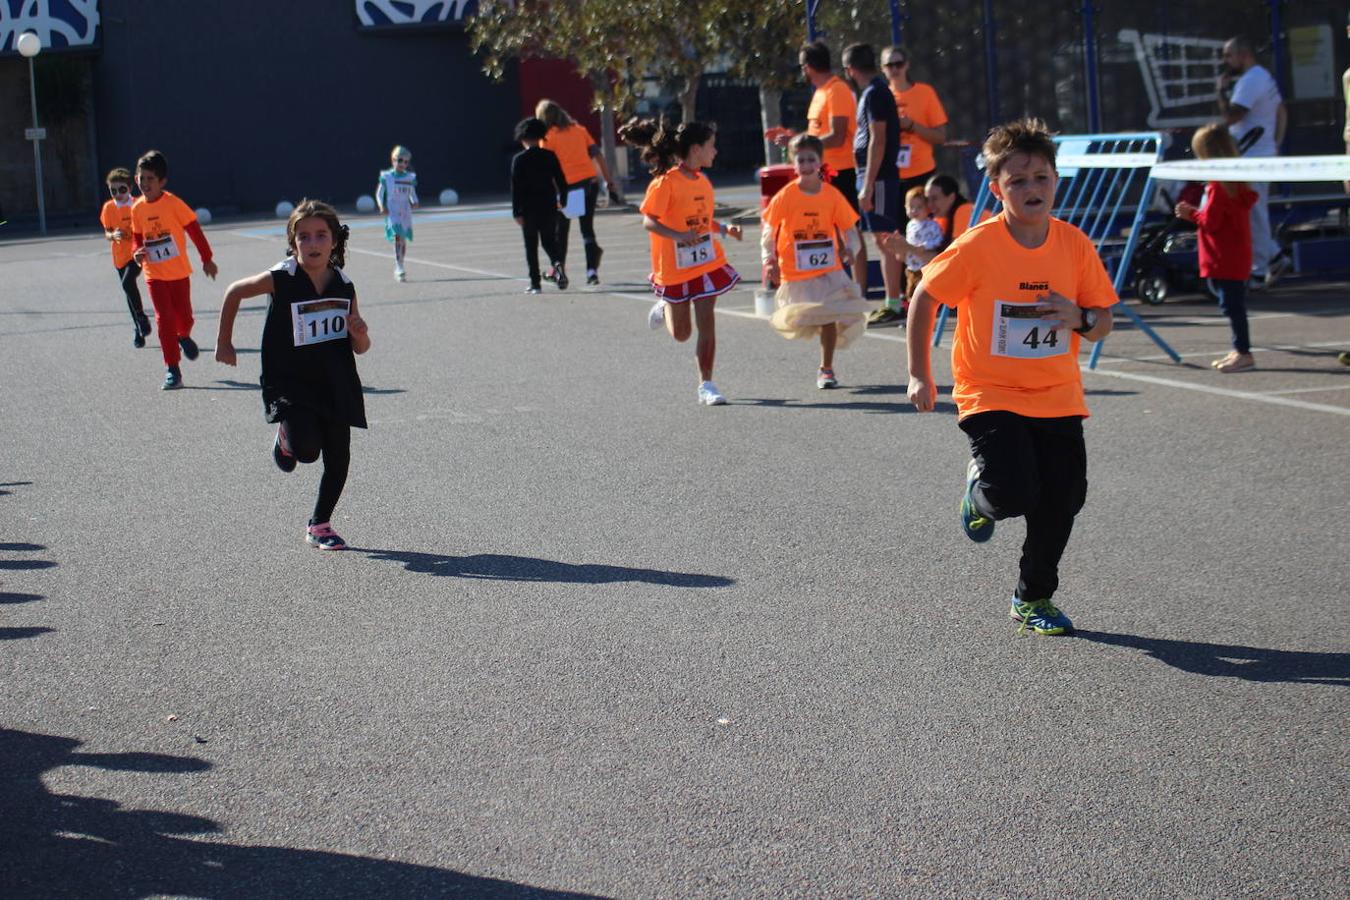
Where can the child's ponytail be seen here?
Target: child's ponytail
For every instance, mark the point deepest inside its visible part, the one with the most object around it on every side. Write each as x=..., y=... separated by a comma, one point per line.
x=662, y=144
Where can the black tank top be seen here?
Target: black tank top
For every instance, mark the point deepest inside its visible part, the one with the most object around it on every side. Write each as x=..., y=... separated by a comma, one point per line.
x=307, y=357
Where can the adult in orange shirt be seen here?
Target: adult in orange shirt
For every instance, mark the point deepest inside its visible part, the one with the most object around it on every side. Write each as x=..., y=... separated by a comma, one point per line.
x=1028, y=287
x=159, y=224
x=116, y=220
x=923, y=125
x=581, y=161
x=689, y=267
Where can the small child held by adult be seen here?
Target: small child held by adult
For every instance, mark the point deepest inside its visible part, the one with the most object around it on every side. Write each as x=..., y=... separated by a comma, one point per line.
x=538, y=187
x=396, y=197
x=923, y=236
x=159, y=222
x=310, y=387
x=808, y=237
x=1029, y=288
x=1223, y=225
x=116, y=220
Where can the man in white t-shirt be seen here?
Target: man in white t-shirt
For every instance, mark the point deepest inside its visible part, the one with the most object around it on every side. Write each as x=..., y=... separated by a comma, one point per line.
x=1251, y=104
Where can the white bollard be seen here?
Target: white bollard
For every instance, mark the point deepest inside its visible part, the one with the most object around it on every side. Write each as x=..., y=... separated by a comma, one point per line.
x=203, y=215
x=449, y=197
x=365, y=204
x=765, y=303
x=284, y=209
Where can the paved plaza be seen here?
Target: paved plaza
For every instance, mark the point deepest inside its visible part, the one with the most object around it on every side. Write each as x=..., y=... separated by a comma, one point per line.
x=593, y=639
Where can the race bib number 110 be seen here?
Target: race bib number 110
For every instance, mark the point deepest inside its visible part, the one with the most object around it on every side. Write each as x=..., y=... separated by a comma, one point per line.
x=316, y=321
x=1020, y=332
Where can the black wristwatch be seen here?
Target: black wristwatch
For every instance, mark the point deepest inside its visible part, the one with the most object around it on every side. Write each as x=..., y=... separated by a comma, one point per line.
x=1089, y=320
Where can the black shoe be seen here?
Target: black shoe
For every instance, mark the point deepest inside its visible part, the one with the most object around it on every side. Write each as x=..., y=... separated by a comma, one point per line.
x=189, y=348
x=885, y=316
x=173, y=379
x=562, y=278
x=285, y=462
x=137, y=339
x=592, y=278
x=551, y=275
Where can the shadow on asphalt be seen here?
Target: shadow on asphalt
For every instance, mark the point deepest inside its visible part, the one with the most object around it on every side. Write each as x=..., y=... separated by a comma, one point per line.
x=1231, y=661
x=65, y=845
x=500, y=567
x=17, y=633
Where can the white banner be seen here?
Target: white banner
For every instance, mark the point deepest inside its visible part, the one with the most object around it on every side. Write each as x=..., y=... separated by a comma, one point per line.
x=1265, y=168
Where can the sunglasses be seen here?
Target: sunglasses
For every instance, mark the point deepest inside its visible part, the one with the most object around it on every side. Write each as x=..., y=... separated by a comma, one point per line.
x=118, y=189
x=895, y=64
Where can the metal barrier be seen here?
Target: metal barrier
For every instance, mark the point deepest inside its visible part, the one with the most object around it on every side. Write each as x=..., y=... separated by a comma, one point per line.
x=1105, y=190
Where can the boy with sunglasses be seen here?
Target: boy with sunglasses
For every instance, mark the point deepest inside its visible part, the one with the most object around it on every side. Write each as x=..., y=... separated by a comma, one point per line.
x=116, y=220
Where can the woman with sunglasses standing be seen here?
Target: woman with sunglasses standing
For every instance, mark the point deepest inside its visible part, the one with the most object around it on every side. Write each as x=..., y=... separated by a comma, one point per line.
x=923, y=126
x=116, y=220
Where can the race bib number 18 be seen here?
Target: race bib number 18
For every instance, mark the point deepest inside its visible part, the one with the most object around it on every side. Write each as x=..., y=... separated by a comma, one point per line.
x=686, y=257
x=1020, y=332
x=316, y=321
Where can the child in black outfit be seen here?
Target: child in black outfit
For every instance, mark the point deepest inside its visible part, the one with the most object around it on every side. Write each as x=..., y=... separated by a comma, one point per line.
x=537, y=186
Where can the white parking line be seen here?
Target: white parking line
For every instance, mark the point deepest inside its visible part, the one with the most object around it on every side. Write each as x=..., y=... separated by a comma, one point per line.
x=1224, y=392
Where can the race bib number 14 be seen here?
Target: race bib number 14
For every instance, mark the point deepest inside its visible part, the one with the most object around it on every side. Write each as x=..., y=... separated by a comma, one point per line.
x=161, y=249
x=316, y=321
x=1020, y=332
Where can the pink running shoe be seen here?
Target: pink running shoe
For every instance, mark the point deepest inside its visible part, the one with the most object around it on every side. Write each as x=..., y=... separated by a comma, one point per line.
x=324, y=537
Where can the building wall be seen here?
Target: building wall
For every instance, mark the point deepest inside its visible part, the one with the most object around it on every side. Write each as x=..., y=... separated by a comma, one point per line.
x=256, y=101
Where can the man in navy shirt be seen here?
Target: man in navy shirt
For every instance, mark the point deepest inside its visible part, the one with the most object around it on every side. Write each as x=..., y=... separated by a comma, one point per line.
x=875, y=147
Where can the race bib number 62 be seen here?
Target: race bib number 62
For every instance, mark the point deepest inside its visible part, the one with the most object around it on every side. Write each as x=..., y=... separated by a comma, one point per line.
x=316, y=321
x=1021, y=333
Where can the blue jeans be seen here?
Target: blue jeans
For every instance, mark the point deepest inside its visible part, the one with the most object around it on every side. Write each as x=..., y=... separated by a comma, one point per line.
x=1233, y=304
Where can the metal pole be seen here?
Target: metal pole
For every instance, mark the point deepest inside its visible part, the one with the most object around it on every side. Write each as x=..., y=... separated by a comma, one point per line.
x=811, y=32
x=37, y=149
x=1090, y=67
x=1276, y=44
x=895, y=23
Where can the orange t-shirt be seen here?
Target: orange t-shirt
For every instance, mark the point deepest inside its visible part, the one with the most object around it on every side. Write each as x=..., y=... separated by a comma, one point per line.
x=921, y=104
x=113, y=217
x=572, y=145
x=682, y=203
x=831, y=100
x=161, y=224
x=1004, y=358
x=805, y=229
x=962, y=214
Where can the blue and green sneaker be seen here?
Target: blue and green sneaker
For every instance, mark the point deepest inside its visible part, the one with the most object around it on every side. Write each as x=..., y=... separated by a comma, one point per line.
x=977, y=527
x=1041, y=616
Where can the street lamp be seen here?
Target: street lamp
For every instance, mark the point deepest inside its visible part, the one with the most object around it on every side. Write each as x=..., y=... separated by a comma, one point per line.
x=30, y=45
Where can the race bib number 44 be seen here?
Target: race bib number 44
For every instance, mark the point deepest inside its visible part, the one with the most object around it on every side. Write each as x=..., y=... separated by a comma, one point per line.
x=1021, y=333
x=161, y=249
x=812, y=256
x=689, y=255
x=316, y=321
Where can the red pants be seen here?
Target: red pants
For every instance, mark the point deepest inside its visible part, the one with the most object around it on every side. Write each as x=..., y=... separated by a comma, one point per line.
x=173, y=315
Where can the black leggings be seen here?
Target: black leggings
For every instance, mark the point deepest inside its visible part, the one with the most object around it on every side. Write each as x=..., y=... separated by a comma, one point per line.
x=1037, y=469
x=587, y=222
x=308, y=434
x=539, y=228
x=127, y=275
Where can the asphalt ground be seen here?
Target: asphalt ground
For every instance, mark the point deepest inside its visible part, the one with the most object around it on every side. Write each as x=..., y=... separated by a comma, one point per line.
x=595, y=639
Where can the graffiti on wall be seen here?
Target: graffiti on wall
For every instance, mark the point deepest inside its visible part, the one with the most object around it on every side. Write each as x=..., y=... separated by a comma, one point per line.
x=60, y=24
x=411, y=13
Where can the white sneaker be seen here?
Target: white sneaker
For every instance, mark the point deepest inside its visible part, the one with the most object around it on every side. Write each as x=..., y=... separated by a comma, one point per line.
x=657, y=318
x=399, y=274
x=708, y=395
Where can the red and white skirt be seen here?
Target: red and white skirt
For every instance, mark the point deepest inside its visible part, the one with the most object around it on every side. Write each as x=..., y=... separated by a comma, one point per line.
x=709, y=284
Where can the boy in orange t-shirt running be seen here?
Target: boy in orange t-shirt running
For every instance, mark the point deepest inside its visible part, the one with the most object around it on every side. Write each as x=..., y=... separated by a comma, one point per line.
x=1028, y=287
x=115, y=217
x=159, y=221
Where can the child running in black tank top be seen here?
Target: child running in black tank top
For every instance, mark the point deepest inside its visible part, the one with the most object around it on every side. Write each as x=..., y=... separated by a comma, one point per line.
x=309, y=383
